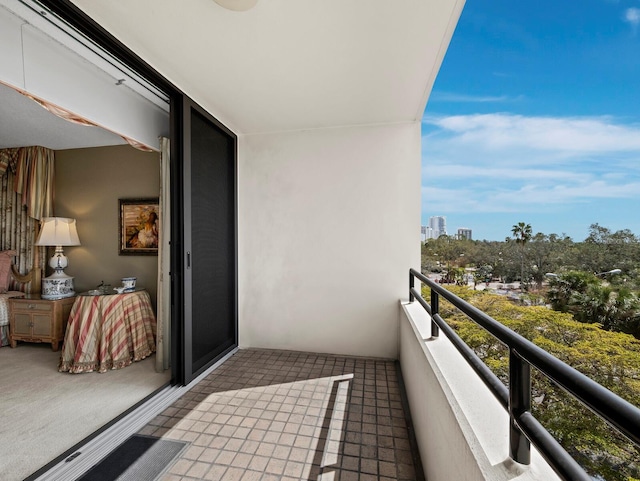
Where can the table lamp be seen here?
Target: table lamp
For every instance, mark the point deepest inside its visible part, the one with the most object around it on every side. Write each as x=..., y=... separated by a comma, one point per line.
x=58, y=232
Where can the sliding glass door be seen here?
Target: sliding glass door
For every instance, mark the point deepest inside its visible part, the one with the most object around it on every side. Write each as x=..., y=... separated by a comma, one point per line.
x=208, y=229
x=203, y=207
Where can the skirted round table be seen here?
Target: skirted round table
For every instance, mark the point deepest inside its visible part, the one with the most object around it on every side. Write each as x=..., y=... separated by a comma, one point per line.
x=108, y=332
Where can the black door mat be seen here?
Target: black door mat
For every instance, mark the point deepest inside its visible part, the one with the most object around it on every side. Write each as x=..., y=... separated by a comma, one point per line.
x=139, y=458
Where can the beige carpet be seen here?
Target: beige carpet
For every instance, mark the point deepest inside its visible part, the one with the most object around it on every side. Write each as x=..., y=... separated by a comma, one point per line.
x=43, y=412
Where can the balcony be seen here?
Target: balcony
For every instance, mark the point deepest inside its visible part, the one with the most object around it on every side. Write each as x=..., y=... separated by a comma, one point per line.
x=284, y=415
x=277, y=414
x=327, y=211
x=291, y=415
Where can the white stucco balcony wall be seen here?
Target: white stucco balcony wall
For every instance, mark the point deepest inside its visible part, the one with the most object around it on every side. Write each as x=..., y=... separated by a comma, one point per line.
x=328, y=225
x=460, y=427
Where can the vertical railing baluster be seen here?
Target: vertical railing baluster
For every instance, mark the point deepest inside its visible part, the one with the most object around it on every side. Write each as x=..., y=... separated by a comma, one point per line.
x=411, y=286
x=623, y=416
x=435, y=309
x=519, y=402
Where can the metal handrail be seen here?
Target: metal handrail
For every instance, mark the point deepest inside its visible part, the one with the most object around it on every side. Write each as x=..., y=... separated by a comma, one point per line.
x=524, y=428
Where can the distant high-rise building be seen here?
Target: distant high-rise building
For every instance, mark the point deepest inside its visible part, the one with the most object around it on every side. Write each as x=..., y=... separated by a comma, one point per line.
x=438, y=225
x=426, y=232
x=464, y=233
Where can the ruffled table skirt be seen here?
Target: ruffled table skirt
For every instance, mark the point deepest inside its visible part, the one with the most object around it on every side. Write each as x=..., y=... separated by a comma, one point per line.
x=108, y=332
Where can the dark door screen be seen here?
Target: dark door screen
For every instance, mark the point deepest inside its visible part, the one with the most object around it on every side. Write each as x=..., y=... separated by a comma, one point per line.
x=210, y=243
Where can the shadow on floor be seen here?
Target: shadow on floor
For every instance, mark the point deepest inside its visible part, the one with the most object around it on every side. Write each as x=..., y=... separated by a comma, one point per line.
x=282, y=415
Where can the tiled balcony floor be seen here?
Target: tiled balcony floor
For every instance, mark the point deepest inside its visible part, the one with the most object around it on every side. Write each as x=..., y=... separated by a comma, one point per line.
x=281, y=415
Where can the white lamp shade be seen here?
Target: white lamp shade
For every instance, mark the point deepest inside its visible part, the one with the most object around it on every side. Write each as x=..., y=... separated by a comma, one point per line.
x=58, y=231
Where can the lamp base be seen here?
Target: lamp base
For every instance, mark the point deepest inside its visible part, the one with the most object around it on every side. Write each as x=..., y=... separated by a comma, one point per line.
x=57, y=287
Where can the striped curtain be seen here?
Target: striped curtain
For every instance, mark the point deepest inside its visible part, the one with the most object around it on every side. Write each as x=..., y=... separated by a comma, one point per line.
x=34, y=180
x=26, y=196
x=163, y=329
x=8, y=159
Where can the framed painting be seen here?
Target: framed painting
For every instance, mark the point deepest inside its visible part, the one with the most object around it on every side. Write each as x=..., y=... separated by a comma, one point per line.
x=139, y=226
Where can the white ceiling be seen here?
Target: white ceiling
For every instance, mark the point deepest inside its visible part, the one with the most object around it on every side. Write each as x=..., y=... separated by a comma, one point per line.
x=291, y=64
x=24, y=123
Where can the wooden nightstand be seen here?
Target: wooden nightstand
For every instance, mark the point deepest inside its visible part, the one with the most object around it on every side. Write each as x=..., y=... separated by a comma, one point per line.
x=33, y=319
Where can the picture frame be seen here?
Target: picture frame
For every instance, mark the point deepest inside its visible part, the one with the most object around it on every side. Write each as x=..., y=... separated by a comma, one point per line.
x=139, y=226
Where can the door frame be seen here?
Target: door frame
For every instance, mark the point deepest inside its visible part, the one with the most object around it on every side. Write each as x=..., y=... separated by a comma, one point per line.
x=181, y=240
x=77, y=19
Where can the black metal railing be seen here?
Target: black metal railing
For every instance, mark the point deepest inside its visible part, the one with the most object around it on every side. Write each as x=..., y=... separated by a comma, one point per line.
x=516, y=399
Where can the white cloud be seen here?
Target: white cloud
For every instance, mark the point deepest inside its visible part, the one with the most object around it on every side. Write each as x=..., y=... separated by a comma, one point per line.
x=453, y=97
x=513, y=163
x=444, y=170
x=460, y=199
x=560, y=193
x=561, y=135
x=632, y=16
x=524, y=198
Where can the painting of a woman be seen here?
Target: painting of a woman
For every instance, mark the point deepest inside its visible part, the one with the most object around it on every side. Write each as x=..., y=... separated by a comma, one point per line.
x=147, y=236
x=139, y=226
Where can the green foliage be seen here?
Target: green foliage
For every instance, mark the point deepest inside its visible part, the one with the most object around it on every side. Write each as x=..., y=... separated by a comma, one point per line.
x=484, y=273
x=522, y=233
x=614, y=308
x=528, y=257
x=563, y=289
x=610, y=358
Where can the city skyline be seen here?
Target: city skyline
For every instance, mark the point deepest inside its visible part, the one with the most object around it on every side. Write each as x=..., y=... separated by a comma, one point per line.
x=533, y=118
x=437, y=226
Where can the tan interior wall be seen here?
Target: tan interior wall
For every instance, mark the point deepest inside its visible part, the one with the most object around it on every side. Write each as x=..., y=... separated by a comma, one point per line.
x=89, y=183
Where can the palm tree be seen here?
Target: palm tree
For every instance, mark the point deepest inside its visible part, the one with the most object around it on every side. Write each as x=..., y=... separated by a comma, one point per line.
x=522, y=234
x=566, y=289
x=613, y=310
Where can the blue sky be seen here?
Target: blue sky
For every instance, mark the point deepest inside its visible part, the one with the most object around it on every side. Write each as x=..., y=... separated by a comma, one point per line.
x=535, y=117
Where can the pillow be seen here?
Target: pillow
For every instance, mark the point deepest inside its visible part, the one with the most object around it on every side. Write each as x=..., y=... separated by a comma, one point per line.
x=6, y=259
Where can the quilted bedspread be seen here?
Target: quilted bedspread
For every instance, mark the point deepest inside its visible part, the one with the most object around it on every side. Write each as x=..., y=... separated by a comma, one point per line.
x=4, y=315
x=108, y=332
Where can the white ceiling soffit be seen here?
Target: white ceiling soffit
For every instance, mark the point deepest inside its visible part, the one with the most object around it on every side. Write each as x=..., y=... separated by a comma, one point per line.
x=237, y=5
x=291, y=64
x=24, y=123
x=41, y=55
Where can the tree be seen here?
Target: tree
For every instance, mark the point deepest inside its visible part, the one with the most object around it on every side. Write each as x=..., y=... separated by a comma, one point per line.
x=614, y=310
x=611, y=359
x=563, y=290
x=447, y=249
x=541, y=250
x=482, y=274
x=604, y=250
x=522, y=234
x=591, y=301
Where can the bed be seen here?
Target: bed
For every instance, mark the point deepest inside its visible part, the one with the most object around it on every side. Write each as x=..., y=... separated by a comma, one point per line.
x=9, y=279
x=4, y=315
